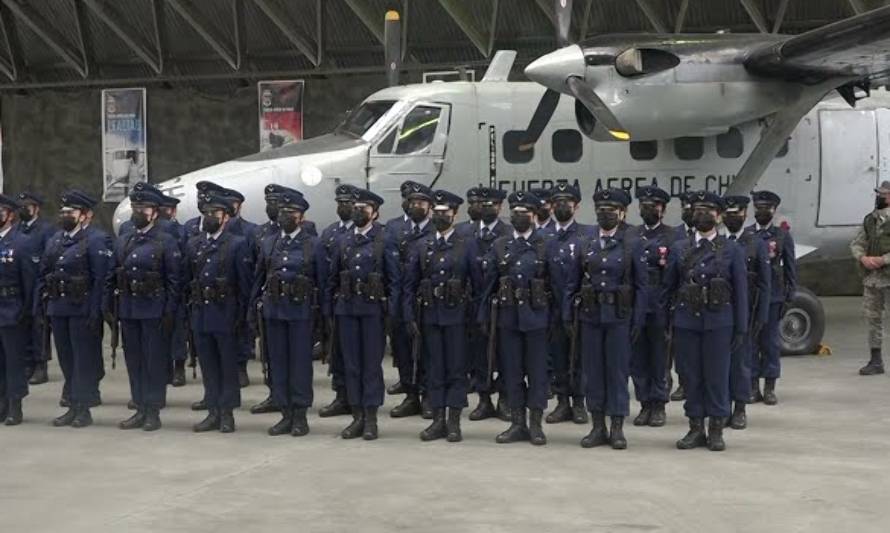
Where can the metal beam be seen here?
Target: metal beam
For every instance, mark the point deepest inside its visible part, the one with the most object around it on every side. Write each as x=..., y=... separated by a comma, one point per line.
x=546, y=7
x=320, y=12
x=240, y=33
x=404, y=32
x=461, y=15
x=585, y=20
x=7, y=63
x=756, y=15
x=84, y=35
x=780, y=15
x=654, y=18
x=221, y=48
x=680, y=21
x=493, y=24
x=369, y=17
x=858, y=6
x=112, y=18
x=286, y=27
x=47, y=34
x=159, y=17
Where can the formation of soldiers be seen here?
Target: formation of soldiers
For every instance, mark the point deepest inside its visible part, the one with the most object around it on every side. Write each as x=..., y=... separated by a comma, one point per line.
x=536, y=307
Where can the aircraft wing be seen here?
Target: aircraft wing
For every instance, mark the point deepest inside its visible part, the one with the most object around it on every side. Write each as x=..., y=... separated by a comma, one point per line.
x=856, y=47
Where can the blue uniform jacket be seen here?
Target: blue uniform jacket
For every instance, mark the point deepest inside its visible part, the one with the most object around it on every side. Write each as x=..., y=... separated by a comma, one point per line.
x=355, y=253
x=18, y=274
x=759, y=276
x=409, y=243
x=782, y=258
x=655, y=245
x=135, y=257
x=731, y=266
x=286, y=260
x=85, y=254
x=40, y=231
x=681, y=232
x=566, y=247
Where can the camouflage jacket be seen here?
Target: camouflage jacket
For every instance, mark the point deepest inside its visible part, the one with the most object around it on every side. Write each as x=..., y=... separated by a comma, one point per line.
x=860, y=247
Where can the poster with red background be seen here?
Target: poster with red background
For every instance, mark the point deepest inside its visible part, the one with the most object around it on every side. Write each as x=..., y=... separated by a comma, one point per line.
x=281, y=113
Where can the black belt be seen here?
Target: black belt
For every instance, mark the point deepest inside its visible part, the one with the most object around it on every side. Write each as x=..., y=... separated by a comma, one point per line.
x=11, y=291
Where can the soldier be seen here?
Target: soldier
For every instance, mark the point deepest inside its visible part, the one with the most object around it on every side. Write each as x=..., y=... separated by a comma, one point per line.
x=218, y=278
x=329, y=238
x=871, y=249
x=362, y=291
x=167, y=211
x=780, y=250
x=440, y=279
x=71, y=280
x=707, y=279
x=568, y=234
x=543, y=218
x=142, y=292
x=759, y=279
x=18, y=271
x=474, y=213
x=291, y=273
x=39, y=230
x=106, y=241
x=684, y=231
x=649, y=362
x=519, y=284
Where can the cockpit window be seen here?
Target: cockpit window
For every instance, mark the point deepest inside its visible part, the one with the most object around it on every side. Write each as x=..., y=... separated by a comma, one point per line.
x=361, y=119
x=418, y=129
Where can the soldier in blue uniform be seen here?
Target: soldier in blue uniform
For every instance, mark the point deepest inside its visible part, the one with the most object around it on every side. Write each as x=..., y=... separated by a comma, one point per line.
x=363, y=290
x=71, y=281
x=440, y=280
x=543, y=216
x=39, y=230
x=167, y=211
x=759, y=279
x=783, y=263
x=568, y=235
x=291, y=273
x=142, y=292
x=606, y=292
x=684, y=231
x=344, y=196
x=18, y=272
x=519, y=285
x=218, y=279
x=707, y=280
x=649, y=363
x=474, y=213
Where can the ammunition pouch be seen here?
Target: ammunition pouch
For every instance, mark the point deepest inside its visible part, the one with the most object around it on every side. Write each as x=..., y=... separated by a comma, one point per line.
x=694, y=296
x=591, y=299
x=506, y=292
x=74, y=288
x=372, y=290
x=149, y=286
x=345, y=289
x=299, y=291
x=9, y=291
x=540, y=296
x=455, y=292
x=451, y=293
x=719, y=294
x=216, y=291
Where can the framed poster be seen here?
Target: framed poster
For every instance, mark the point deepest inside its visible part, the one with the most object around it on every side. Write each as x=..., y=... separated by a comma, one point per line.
x=124, y=155
x=281, y=113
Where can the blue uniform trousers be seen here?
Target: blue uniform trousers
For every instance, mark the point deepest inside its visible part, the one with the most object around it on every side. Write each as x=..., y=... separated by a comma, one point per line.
x=76, y=350
x=335, y=368
x=178, y=348
x=290, y=357
x=766, y=362
x=34, y=345
x=740, y=372
x=362, y=342
x=13, y=381
x=147, y=361
x=648, y=364
x=706, y=361
x=560, y=381
x=605, y=360
x=445, y=349
x=523, y=355
x=218, y=355
x=477, y=365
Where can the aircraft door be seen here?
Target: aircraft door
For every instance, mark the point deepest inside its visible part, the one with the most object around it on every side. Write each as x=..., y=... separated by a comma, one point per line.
x=413, y=149
x=849, y=149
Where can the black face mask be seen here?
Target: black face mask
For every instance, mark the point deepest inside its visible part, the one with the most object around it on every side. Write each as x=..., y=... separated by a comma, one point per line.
x=139, y=219
x=704, y=222
x=211, y=224
x=543, y=214
x=360, y=217
x=733, y=222
x=880, y=203
x=563, y=213
x=521, y=223
x=607, y=220
x=687, y=217
x=344, y=211
x=25, y=215
x=474, y=211
x=288, y=223
x=763, y=216
x=272, y=211
x=489, y=214
x=441, y=222
x=67, y=222
x=649, y=214
x=417, y=214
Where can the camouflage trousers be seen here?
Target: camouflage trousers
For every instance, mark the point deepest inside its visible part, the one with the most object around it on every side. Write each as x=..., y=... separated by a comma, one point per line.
x=875, y=300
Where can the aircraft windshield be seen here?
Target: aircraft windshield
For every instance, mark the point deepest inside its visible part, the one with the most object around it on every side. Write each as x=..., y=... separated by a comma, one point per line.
x=363, y=118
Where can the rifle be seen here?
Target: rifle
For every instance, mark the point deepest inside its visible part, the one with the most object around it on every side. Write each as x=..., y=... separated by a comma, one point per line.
x=416, y=342
x=190, y=337
x=47, y=330
x=332, y=344
x=492, y=339
x=261, y=330
x=114, y=325
x=573, y=341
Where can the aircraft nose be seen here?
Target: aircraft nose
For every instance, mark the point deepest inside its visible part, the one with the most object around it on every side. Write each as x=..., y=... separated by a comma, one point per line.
x=553, y=69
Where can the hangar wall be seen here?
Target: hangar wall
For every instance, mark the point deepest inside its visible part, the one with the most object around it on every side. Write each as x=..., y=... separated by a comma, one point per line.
x=52, y=139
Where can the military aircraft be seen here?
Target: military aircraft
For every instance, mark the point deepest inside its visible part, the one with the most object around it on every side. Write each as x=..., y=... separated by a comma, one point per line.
x=454, y=135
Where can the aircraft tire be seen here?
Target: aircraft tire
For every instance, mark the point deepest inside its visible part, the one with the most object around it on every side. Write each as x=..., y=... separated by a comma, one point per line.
x=803, y=324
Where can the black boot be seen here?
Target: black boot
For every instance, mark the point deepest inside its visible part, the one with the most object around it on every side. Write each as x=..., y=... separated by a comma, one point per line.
x=285, y=425
x=265, y=406
x=426, y=410
x=739, y=419
x=875, y=364
x=769, y=392
x=226, y=421
x=616, y=433
x=178, y=374
x=40, y=375
x=152, y=419
x=396, y=388
x=715, y=434
x=579, y=411
x=645, y=415
x=756, y=397
x=301, y=425
x=370, y=432
x=518, y=430
x=243, y=378
x=210, y=423
x=357, y=427
x=679, y=395
x=200, y=405
x=66, y=419
x=14, y=413
x=131, y=406
x=562, y=412
x=410, y=406
x=485, y=409
x=658, y=417
x=64, y=401
x=339, y=406
x=134, y=422
x=535, y=431
x=696, y=435
x=436, y=430
x=597, y=435
x=82, y=417
x=452, y=426
x=503, y=408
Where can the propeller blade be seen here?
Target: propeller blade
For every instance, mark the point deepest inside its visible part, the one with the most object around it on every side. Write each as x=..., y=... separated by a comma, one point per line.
x=392, y=48
x=597, y=107
x=543, y=113
x=563, y=9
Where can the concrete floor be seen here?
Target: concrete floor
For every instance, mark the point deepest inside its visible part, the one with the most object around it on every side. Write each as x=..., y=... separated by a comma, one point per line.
x=816, y=462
